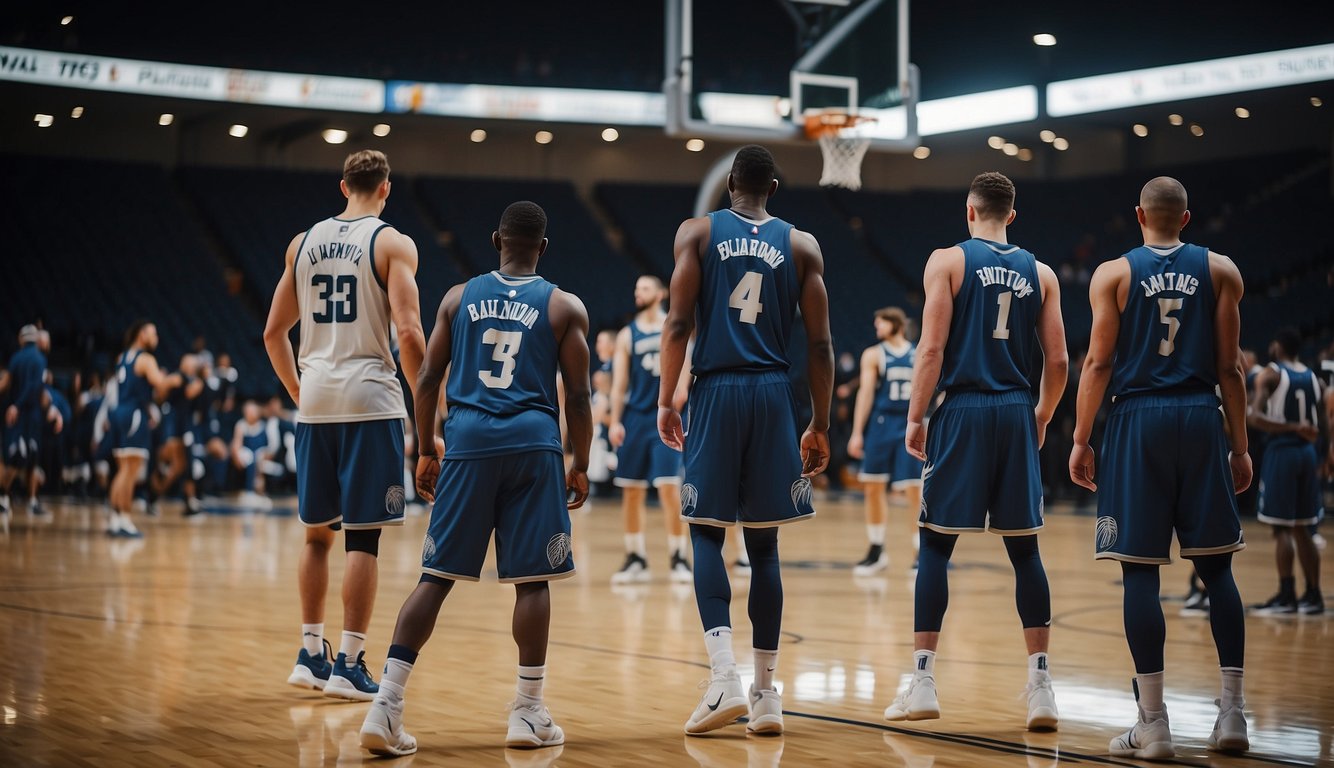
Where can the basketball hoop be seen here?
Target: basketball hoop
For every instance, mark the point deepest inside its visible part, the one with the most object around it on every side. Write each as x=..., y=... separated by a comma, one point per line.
x=843, y=149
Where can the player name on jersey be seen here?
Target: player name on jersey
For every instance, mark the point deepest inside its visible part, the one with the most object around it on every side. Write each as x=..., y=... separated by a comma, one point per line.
x=1170, y=281
x=1006, y=277
x=502, y=309
x=345, y=251
x=651, y=343
x=741, y=246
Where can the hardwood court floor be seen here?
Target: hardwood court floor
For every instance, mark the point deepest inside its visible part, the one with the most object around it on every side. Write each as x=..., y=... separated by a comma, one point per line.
x=174, y=651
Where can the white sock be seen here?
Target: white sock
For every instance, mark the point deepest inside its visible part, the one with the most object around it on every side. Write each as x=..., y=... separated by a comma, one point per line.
x=917, y=541
x=1232, y=696
x=312, y=638
x=1037, y=668
x=924, y=663
x=677, y=545
x=530, y=685
x=634, y=542
x=352, y=644
x=876, y=534
x=395, y=678
x=1151, y=694
x=718, y=642
x=765, y=664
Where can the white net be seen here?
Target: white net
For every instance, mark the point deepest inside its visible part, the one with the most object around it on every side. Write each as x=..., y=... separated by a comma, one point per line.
x=842, y=159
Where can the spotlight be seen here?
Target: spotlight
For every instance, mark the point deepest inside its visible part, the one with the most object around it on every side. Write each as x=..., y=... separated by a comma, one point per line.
x=43, y=121
x=921, y=153
x=478, y=136
x=1243, y=112
x=995, y=142
x=76, y=113
x=543, y=137
x=165, y=118
x=610, y=134
x=238, y=131
x=381, y=129
x=1060, y=144
x=1047, y=136
x=1196, y=130
x=334, y=135
x=1175, y=119
x=65, y=21
x=695, y=145
x=1044, y=39
x=1025, y=154
x=1140, y=129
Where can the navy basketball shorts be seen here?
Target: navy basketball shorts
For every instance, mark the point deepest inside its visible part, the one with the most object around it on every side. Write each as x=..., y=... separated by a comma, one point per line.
x=1290, y=485
x=981, y=470
x=21, y=439
x=520, y=497
x=350, y=473
x=1164, y=468
x=643, y=457
x=884, y=454
x=742, y=457
x=130, y=434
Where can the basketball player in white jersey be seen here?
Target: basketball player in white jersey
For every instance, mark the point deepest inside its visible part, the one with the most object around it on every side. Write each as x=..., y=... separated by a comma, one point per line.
x=346, y=278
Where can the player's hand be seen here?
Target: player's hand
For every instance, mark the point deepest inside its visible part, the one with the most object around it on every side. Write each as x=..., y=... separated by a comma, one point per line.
x=1082, y=466
x=57, y=421
x=1042, y=429
x=1308, y=432
x=1241, y=471
x=814, y=452
x=616, y=434
x=856, y=443
x=669, y=429
x=428, y=471
x=576, y=488
x=11, y=415
x=915, y=440
x=295, y=394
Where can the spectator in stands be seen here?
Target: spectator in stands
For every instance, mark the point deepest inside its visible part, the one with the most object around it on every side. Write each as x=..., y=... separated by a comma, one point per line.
x=200, y=350
x=226, y=374
x=280, y=467
x=250, y=449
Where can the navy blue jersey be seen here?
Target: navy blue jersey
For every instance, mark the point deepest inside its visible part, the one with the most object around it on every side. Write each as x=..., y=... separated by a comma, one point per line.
x=894, y=388
x=27, y=374
x=132, y=390
x=645, y=369
x=254, y=436
x=747, y=296
x=1166, y=341
x=1295, y=400
x=502, y=382
x=995, y=318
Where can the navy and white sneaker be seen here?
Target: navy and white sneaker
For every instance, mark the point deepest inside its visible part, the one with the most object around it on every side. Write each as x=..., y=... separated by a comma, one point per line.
x=351, y=681
x=311, y=671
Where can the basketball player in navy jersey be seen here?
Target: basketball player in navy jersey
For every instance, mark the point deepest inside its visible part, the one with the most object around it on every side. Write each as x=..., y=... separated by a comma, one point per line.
x=23, y=417
x=138, y=381
x=879, y=421
x=1165, y=329
x=502, y=336
x=742, y=274
x=1287, y=404
x=641, y=457
x=987, y=301
x=345, y=280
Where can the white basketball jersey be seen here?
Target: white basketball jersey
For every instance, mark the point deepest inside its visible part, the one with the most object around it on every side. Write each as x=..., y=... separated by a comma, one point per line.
x=347, y=368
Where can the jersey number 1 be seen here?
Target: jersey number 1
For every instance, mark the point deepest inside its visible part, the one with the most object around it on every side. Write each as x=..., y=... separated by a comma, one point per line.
x=506, y=345
x=746, y=297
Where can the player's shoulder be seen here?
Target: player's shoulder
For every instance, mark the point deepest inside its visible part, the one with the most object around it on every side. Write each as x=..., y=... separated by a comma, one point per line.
x=1112, y=269
x=567, y=303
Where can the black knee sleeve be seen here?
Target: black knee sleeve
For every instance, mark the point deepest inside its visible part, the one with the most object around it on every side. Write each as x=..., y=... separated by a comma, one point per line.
x=367, y=540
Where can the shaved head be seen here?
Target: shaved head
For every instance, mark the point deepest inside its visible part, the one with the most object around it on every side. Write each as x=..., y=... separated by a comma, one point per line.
x=1164, y=201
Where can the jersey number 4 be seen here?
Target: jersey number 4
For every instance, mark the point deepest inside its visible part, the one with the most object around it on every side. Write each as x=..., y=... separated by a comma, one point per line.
x=339, y=294
x=746, y=297
x=506, y=345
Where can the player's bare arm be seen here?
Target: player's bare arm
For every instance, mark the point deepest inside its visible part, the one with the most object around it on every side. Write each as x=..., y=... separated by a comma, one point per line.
x=1257, y=418
x=283, y=315
x=439, y=352
x=691, y=239
x=400, y=267
x=1107, y=291
x=940, y=281
x=1055, y=357
x=814, y=304
x=145, y=365
x=620, y=386
x=569, y=321
x=1231, y=372
x=872, y=362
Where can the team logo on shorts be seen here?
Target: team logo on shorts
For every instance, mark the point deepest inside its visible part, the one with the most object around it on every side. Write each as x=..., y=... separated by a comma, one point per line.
x=393, y=500
x=558, y=549
x=802, y=493
x=1106, y=533
x=428, y=549
x=927, y=469
x=689, y=498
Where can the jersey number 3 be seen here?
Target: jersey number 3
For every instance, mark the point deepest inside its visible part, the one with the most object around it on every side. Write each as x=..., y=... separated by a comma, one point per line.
x=339, y=294
x=746, y=297
x=506, y=345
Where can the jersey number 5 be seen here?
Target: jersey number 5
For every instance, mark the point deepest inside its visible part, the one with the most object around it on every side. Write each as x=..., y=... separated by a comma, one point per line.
x=746, y=297
x=506, y=345
x=339, y=294
x=1168, y=345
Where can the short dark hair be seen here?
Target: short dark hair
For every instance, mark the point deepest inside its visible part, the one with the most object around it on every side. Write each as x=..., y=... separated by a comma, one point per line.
x=137, y=327
x=1289, y=340
x=523, y=220
x=992, y=194
x=754, y=169
x=365, y=171
x=650, y=276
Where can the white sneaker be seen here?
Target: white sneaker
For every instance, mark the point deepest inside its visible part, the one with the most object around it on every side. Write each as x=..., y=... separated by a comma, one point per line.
x=680, y=573
x=531, y=726
x=382, y=731
x=1230, y=730
x=1146, y=740
x=919, y=702
x=1042, y=714
x=876, y=560
x=634, y=571
x=127, y=529
x=113, y=523
x=722, y=704
x=766, y=711
x=741, y=568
